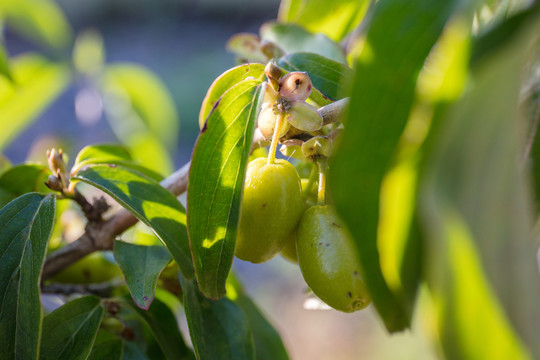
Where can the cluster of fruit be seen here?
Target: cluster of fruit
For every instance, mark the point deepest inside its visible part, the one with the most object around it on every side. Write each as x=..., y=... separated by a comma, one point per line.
x=278, y=215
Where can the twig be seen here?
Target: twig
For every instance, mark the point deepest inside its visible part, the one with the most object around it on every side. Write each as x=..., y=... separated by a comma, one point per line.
x=104, y=289
x=100, y=235
x=334, y=112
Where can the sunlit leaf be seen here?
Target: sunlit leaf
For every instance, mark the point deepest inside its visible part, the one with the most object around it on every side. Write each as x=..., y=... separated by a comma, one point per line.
x=226, y=81
x=215, y=184
x=110, y=154
x=293, y=38
x=37, y=83
x=477, y=207
x=149, y=202
x=141, y=266
x=222, y=321
x=334, y=18
x=268, y=343
x=26, y=225
x=330, y=77
x=69, y=331
x=40, y=20
x=398, y=39
x=162, y=323
x=21, y=179
x=138, y=102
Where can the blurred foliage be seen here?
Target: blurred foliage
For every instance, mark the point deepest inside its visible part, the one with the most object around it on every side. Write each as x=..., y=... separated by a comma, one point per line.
x=36, y=83
x=432, y=176
x=39, y=20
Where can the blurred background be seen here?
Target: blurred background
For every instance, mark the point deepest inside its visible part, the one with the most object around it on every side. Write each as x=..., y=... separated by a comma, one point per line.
x=183, y=44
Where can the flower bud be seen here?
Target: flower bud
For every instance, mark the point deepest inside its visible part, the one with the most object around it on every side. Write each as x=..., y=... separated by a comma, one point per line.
x=54, y=183
x=273, y=73
x=56, y=161
x=304, y=117
x=295, y=86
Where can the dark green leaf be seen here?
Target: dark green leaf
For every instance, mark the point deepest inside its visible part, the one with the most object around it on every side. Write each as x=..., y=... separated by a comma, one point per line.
x=334, y=18
x=330, y=77
x=108, y=350
x=226, y=81
x=25, y=227
x=69, y=331
x=149, y=202
x=477, y=211
x=293, y=38
x=398, y=39
x=37, y=84
x=141, y=266
x=110, y=154
x=162, y=324
x=216, y=180
x=21, y=179
x=219, y=329
x=268, y=344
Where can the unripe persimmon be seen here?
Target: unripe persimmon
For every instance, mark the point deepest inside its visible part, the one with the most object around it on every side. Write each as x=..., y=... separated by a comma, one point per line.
x=271, y=208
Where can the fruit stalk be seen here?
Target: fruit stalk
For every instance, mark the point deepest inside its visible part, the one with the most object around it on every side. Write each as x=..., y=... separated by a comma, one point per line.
x=275, y=138
x=323, y=166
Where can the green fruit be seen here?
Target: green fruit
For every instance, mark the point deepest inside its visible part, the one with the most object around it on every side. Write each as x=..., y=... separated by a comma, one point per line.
x=289, y=251
x=271, y=207
x=327, y=260
x=310, y=199
x=94, y=268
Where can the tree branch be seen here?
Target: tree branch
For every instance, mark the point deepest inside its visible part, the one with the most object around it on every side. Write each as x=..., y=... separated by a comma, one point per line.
x=100, y=235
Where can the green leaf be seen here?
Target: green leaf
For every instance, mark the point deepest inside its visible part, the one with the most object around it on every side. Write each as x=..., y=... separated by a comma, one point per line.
x=37, y=83
x=268, y=343
x=216, y=180
x=21, y=179
x=108, y=350
x=328, y=76
x=39, y=20
x=141, y=266
x=162, y=323
x=477, y=211
x=398, y=39
x=26, y=225
x=140, y=103
x=226, y=81
x=149, y=202
x=110, y=154
x=219, y=329
x=4, y=63
x=69, y=331
x=293, y=38
x=334, y=18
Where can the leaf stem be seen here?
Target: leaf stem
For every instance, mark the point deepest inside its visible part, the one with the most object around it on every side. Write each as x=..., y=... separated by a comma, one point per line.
x=275, y=139
x=323, y=166
x=311, y=181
